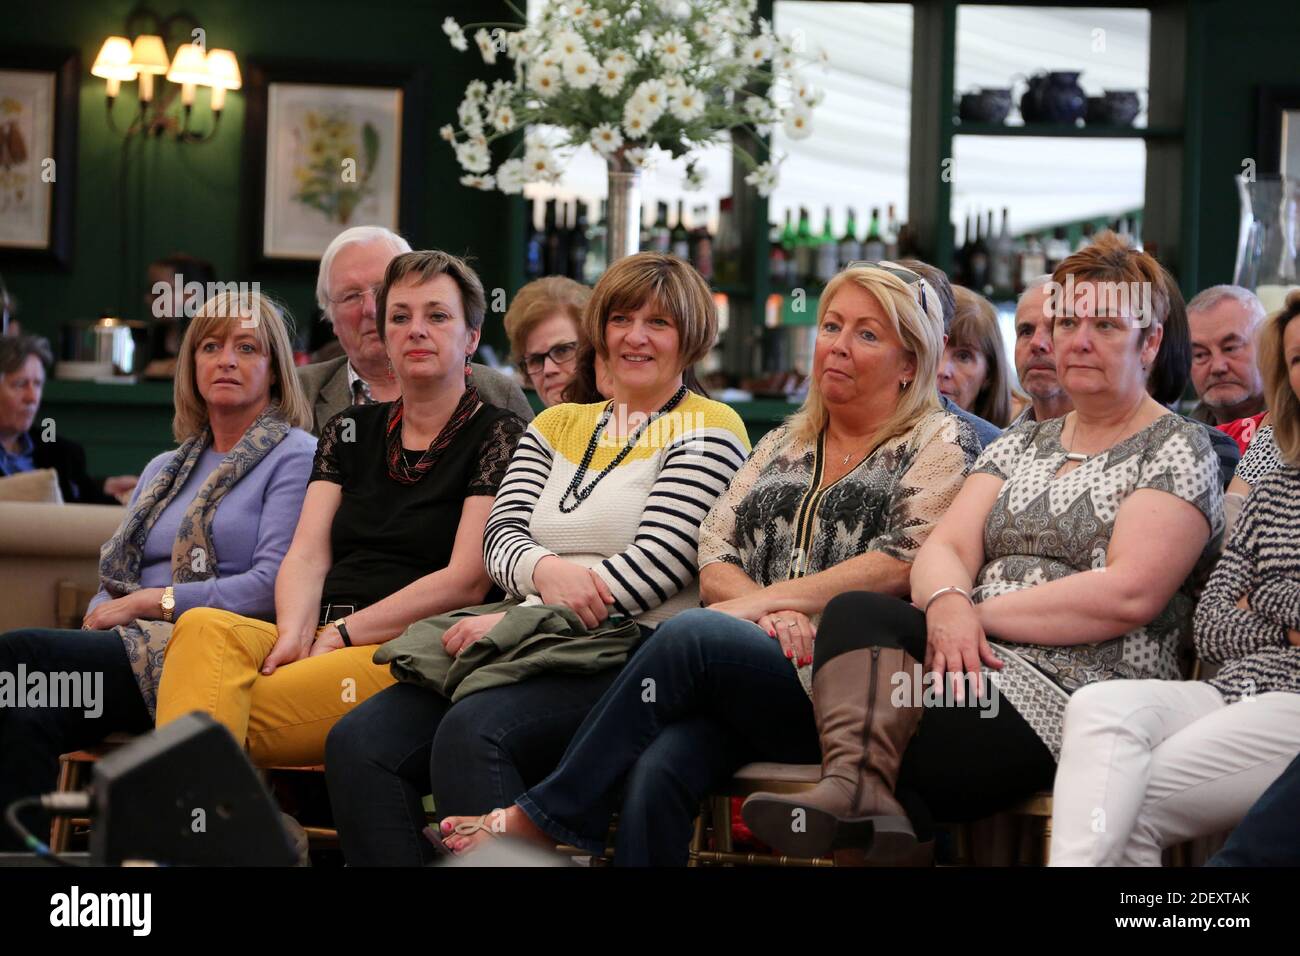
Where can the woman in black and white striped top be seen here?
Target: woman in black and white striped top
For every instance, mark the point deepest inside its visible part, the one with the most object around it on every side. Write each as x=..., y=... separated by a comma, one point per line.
x=1148, y=764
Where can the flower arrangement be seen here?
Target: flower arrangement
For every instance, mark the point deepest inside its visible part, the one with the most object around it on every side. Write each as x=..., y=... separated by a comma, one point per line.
x=629, y=77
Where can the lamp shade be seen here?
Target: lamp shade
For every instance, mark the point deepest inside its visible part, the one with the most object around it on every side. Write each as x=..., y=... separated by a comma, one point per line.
x=148, y=55
x=190, y=65
x=223, y=70
x=114, y=60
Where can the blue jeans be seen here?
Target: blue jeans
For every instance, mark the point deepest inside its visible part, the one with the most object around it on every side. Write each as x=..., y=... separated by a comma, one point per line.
x=474, y=756
x=1270, y=833
x=33, y=737
x=706, y=694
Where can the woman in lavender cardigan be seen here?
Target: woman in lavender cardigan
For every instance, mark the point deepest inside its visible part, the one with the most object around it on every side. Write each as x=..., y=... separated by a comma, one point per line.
x=207, y=526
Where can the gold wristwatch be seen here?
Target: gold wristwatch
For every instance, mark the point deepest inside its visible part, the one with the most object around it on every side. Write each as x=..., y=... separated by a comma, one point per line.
x=168, y=603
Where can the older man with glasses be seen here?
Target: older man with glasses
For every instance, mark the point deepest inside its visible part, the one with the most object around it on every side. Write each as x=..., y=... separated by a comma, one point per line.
x=351, y=271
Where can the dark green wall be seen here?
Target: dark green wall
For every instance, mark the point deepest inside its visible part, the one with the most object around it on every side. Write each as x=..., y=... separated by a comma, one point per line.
x=189, y=198
x=1236, y=48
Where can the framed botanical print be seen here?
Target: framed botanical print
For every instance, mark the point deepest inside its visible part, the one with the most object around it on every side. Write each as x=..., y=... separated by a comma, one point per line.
x=38, y=153
x=328, y=149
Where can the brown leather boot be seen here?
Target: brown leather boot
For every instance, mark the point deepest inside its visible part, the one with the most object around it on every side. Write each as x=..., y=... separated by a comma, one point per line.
x=863, y=736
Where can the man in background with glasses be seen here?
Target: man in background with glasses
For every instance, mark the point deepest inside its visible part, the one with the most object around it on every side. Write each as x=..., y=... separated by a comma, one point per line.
x=351, y=272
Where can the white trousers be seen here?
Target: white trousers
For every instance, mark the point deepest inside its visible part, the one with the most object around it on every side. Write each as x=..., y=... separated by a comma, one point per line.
x=1147, y=764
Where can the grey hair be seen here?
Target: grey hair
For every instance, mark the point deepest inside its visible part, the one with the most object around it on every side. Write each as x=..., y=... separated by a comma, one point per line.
x=357, y=235
x=15, y=350
x=1207, y=299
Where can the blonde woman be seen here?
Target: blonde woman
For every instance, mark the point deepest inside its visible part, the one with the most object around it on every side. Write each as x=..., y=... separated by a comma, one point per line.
x=974, y=372
x=1159, y=762
x=543, y=325
x=839, y=497
x=207, y=525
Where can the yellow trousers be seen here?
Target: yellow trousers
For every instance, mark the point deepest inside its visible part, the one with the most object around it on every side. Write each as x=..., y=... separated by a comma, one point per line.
x=214, y=662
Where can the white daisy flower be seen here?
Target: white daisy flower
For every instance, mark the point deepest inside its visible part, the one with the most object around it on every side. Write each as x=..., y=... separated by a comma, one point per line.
x=798, y=123
x=674, y=51
x=606, y=139
x=478, y=182
x=510, y=176
x=687, y=104
x=582, y=70
x=455, y=34
x=757, y=51
x=503, y=118
x=598, y=20
x=579, y=11
x=763, y=178
x=486, y=46
x=448, y=133
x=653, y=94
x=639, y=157
x=673, y=83
x=476, y=90
x=468, y=113
x=636, y=120
x=473, y=158
x=541, y=165
x=619, y=60
x=806, y=94
x=568, y=42
x=545, y=81
x=610, y=81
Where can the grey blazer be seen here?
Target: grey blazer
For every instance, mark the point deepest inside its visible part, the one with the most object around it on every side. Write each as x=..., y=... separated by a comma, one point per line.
x=326, y=385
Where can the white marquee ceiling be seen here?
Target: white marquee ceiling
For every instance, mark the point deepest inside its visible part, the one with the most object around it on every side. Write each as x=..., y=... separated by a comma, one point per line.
x=857, y=154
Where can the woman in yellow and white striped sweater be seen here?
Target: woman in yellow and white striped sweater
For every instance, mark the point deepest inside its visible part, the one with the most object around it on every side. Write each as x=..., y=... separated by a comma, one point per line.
x=599, y=511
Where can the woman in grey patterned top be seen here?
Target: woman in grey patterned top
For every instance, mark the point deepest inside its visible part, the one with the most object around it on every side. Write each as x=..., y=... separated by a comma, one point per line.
x=840, y=497
x=1160, y=762
x=1064, y=560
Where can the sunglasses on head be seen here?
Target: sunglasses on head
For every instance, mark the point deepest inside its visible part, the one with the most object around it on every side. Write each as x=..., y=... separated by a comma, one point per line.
x=898, y=272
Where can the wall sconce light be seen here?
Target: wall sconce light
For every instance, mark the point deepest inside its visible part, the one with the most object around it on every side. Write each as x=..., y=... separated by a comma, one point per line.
x=145, y=57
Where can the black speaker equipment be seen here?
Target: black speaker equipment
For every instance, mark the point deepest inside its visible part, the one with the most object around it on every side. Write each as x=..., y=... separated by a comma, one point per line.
x=185, y=795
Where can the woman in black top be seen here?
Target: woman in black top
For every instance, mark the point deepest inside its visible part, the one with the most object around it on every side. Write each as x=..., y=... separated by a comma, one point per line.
x=391, y=532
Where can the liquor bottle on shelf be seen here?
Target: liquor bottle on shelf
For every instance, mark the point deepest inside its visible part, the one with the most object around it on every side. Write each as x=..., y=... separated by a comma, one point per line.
x=646, y=244
x=534, y=244
x=805, y=249
x=578, y=241
x=850, y=249
x=701, y=244
x=1033, y=261
x=1002, y=260
x=597, y=248
x=680, y=237
x=1085, y=239
x=977, y=262
x=776, y=260
x=828, y=252
x=892, y=234
x=873, y=247
x=726, y=250
x=661, y=237
x=1057, y=249
x=961, y=256
x=552, y=265
x=789, y=242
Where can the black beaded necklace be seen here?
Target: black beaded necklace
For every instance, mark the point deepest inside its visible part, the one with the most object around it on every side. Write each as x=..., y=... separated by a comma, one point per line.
x=581, y=494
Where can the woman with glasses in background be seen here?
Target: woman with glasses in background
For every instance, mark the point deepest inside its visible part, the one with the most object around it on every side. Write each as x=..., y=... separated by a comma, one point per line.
x=839, y=497
x=543, y=325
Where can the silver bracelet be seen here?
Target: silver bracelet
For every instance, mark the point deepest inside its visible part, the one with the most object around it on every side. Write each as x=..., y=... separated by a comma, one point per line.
x=942, y=591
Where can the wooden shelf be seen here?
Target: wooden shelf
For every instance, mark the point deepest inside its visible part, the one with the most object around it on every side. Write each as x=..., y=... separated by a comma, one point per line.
x=1070, y=132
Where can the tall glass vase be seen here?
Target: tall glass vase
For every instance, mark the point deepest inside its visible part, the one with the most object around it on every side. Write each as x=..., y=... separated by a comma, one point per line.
x=1269, y=241
x=623, y=234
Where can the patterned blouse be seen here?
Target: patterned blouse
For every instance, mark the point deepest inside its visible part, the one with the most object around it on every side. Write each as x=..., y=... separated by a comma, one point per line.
x=1043, y=527
x=776, y=522
x=1260, y=560
x=1262, y=456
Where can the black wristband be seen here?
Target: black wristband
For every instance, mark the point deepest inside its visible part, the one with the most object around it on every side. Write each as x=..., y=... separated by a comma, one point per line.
x=342, y=627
